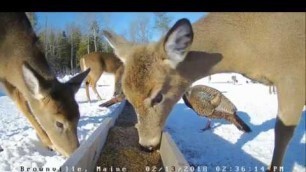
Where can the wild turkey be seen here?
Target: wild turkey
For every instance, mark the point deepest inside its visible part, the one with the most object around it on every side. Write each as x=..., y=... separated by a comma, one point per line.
x=211, y=103
x=114, y=100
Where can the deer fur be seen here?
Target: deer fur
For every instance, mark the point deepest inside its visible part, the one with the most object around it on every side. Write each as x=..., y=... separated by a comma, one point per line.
x=48, y=105
x=100, y=62
x=266, y=47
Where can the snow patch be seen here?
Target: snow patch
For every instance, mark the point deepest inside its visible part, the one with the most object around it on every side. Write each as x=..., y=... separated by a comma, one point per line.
x=227, y=146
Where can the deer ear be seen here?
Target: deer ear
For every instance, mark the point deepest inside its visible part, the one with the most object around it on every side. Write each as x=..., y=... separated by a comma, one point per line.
x=178, y=41
x=34, y=82
x=120, y=45
x=77, y=80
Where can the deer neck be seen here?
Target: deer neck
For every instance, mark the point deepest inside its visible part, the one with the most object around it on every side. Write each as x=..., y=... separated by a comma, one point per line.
x=214, y=52
x=19, y=44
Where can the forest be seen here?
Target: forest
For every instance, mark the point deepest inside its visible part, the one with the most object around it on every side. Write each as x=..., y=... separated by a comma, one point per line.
x=64, y=47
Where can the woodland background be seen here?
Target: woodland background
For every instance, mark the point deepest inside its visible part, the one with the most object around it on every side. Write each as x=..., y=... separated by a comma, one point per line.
x=64, y=47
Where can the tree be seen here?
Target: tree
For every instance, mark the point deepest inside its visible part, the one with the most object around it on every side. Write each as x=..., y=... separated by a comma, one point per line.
x=162, y=22
x=139, y=30
x=94, y=27
x=74, y=39
x=82, y=49
x=87, y=30
x=63, y=48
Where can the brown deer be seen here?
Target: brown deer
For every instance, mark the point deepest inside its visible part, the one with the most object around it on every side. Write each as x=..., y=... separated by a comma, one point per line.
x=100, y=62
x=48, y=104
x=266, y=47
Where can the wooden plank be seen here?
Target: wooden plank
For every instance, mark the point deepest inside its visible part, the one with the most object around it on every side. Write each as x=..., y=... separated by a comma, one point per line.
x=86, y=156
x=172, y=157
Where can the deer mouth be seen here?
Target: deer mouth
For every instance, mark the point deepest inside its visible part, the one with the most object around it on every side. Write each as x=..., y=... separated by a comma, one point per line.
x=149, y=148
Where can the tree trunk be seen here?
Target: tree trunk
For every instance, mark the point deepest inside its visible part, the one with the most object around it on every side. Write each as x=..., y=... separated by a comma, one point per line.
x=46, y=42
x=71, y=54
x=88, y=44
x=95, y=39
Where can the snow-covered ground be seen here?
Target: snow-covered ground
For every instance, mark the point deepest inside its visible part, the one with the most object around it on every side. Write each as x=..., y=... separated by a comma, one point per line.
x=225, y=147
x=21, y=147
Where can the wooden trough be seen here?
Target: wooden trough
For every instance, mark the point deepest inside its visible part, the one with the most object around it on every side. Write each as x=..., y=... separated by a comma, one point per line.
x=84, y=159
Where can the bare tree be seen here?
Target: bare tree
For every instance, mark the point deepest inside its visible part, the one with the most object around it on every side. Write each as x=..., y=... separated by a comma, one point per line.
x=94, y=23
x=71, y=33
x=74, y=38
x=139, y=30
x=94, y=27
x=88, y=43
x=162, y=22
x=88, y=19
x=71, y=50
x=46, y=41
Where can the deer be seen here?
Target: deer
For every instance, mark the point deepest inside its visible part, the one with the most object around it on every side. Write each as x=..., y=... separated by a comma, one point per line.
x=48, y=105
x=100, y=62
x=261, y=46
x=272, y=89
x=234, y=79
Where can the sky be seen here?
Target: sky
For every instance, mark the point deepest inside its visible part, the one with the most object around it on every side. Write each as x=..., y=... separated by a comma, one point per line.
x=118, y=21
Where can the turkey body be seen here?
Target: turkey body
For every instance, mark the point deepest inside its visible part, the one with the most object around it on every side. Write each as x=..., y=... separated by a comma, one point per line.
x=211, y=103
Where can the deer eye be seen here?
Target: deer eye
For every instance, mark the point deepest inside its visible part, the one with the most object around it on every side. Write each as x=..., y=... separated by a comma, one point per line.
x=157, y=99
x=59, y=125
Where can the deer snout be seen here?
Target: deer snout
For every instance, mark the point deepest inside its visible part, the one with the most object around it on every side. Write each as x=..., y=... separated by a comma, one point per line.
x=73, y=148
x=67, y=153
x=149, y=145
x=149, y=148
x=67, y=149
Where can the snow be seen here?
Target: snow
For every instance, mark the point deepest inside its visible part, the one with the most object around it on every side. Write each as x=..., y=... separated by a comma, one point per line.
x=21, y=147
x=225, y=146
x=222, y=147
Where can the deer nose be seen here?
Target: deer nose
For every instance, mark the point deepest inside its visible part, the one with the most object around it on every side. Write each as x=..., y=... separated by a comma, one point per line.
x=147, y=148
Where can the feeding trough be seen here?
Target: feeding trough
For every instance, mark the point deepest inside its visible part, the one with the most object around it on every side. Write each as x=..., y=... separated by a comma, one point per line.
x=86, y=157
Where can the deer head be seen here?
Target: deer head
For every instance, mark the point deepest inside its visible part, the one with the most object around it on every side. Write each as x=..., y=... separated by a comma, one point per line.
x=48, y=104
x=150, y=81
x=54, y=107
